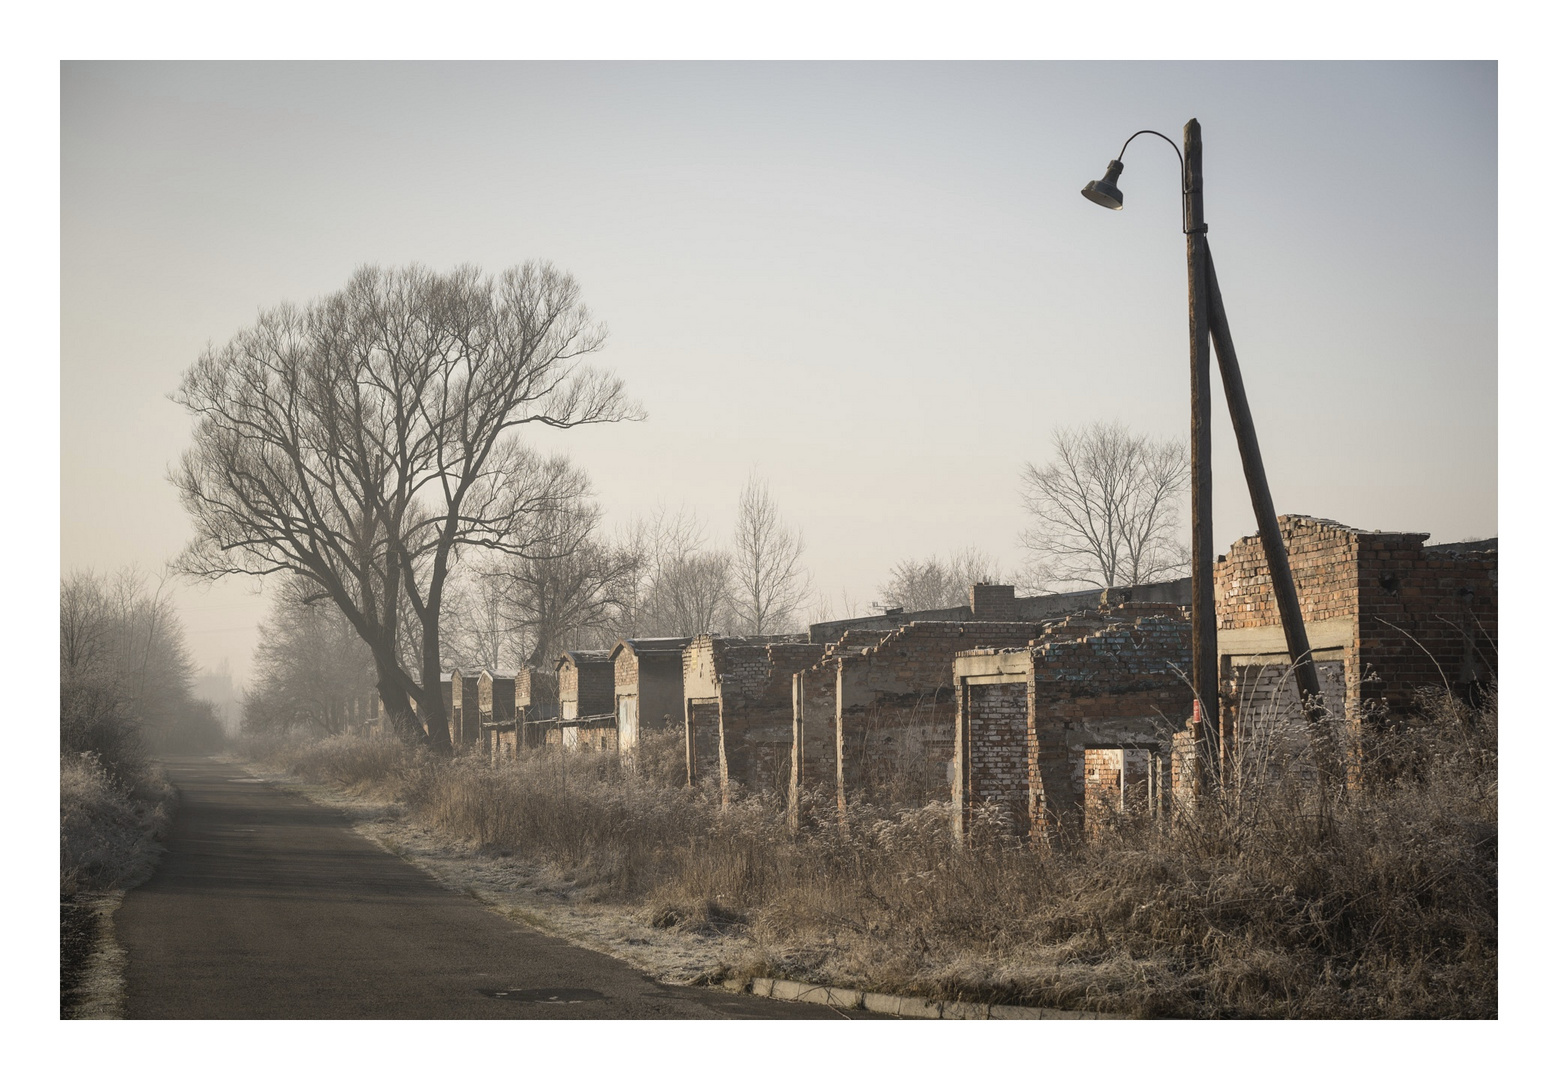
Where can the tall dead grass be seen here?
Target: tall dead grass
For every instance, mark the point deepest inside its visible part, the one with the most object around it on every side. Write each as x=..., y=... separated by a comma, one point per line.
x=1275, y=900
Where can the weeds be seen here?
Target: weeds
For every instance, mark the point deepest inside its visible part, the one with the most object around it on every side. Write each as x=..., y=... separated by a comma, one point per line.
x=1278, y=900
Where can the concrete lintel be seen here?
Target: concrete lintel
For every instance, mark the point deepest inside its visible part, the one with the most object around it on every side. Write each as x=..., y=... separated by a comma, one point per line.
x=986, y=667
x=1257, y=640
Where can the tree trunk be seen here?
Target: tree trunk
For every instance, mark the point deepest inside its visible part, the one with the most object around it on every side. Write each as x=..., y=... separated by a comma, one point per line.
x=433, y=712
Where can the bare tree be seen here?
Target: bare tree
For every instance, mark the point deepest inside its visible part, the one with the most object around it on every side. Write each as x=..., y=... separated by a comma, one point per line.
x=312, y=670
x=1106, y=509
x=929, y=584
x=770, y=581
x=367, y=441
x=125, y=670
x=573, y=589
x=477, y=631
x=684, y=588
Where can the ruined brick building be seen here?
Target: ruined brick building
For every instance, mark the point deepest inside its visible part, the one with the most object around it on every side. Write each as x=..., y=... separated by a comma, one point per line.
x=1386, y=616
x=647, y=688
x=1077, y=726
x=739, y=710
x=1050, y=717
x=586, y=691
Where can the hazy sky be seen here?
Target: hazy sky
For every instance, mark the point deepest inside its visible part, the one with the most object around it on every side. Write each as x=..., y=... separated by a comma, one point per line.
x=874, y=283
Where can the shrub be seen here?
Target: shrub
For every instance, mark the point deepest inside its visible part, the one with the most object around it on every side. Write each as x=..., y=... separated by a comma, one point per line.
x=108, y=831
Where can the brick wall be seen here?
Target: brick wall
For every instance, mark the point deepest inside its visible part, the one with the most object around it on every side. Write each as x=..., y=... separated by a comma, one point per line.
x=895, y=711
x=586, y=683
x=535, y=701
x=996, y=603
x=1103, y=681
x=998, y=751
x=751, y=680
x=1402, y=616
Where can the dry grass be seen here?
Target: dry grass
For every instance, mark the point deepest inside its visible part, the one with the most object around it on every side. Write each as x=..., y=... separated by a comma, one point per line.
x=1276, y=901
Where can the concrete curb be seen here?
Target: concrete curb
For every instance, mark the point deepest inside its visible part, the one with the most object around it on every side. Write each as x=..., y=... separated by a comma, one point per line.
x=907, y=1008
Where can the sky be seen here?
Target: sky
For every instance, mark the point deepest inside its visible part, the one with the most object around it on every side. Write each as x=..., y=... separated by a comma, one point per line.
x=873, y=284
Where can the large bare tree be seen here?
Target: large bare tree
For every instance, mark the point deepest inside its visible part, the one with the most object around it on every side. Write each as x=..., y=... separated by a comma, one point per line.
x=770, y=582
x=367, y=440
x=1106, y=508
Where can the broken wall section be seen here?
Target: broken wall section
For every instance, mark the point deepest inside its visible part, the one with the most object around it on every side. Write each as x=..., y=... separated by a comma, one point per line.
x=813, y=731
x=1100, y=699
x=1386, y=616
x=739, y=695
x=895, y=713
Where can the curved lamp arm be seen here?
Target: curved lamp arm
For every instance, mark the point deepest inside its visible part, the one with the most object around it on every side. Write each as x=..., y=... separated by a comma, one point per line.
x=1106, y=194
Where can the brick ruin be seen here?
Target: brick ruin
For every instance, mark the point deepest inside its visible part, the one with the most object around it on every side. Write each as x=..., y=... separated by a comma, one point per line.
x=586, y=689
x=894, y=709
x=495, y=698
x=739, y=710
x=1000, y=602
x=1386, y=616
x=1066, y=732
x=463, y=710
x=1050, y=717
x=647, y=674
x=814, y=722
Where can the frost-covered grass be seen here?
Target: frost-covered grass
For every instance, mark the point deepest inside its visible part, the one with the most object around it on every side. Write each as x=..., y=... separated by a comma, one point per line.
x=1277, y=901
x=108, y=827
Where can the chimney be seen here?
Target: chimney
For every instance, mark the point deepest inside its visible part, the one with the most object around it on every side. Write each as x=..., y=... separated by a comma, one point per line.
x=993, y=603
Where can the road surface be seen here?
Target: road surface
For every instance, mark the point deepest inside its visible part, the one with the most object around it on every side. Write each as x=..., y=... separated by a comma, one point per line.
x=267, y=906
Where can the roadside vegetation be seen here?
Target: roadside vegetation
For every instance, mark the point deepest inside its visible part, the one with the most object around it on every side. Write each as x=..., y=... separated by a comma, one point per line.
x=1276, y=901
x=124, y=695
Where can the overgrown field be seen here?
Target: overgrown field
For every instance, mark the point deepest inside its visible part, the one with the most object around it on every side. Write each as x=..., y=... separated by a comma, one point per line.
x=1277, y=901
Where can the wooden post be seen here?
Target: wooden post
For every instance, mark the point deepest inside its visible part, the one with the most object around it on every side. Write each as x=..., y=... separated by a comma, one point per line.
x=1266, y=518
x=1203, y=609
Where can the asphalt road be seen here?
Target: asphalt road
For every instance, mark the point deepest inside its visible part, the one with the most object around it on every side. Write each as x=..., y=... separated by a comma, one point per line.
x=267, y=906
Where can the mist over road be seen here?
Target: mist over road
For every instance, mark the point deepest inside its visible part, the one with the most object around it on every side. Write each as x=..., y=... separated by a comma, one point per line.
x=267, y=906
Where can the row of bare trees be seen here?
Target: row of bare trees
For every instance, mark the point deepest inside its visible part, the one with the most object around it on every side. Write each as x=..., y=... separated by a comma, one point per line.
x=125, y=672
x=658, y=577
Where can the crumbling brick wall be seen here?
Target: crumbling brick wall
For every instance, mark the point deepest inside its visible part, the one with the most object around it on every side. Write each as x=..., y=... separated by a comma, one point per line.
x=1119, y=784
x=586, y=683
x=895, y=710
x=535, y=703
x=596, y=736
x=1099, y=682
x=1395, y=615
x=495, y=698
x=748, y=683
x=998, y=751
x=814, y=735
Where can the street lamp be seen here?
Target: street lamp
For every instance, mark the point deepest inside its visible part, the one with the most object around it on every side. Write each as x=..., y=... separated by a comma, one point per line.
x=1209, y=320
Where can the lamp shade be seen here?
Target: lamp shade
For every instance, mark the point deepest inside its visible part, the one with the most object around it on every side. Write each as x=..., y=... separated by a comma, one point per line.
x=1104, y=192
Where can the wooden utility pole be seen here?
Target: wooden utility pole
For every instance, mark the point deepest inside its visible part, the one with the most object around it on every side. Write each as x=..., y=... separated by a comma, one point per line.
x=1271, y=541
x=1203, y=606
